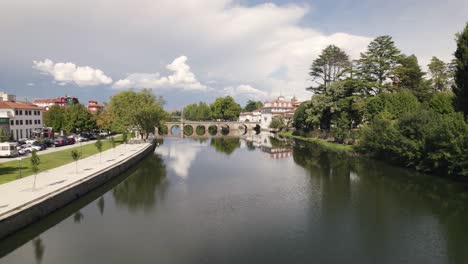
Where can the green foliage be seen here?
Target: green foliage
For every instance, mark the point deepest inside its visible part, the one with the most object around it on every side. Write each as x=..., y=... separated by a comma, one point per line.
x=98, y=143
x=75, y=154
x=442, y=102
x=377, y=64
x=4, y=136
x=188, y=130
x=200, y=112
x=55, y=118
x=200, y=130
x=141, y=110
x=78, y=118
x=300, y=117
x=252, y=105
x=125, y=136
x=408, y=75
x=278, y=122
x=329, y=67
x=35, y=162
x=460, y=87
x=225, y=108
x=225, y=145
x=422, y=139
x=391, y=105
x=440, y=75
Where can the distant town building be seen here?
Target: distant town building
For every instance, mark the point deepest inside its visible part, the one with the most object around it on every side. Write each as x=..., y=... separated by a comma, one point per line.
x=5, y=122
x=60, y=101
x=4, y=97
x=271, y=109
x=94, y=107
x=25, y=118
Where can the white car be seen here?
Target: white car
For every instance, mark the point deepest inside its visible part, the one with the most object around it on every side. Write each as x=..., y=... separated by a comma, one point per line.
x=30, y=148
x=80, y=139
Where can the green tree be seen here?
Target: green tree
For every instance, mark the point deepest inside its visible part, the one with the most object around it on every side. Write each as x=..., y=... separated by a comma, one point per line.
x=391, y=105
x=191, y=112
x=76, y=155
x=54, y=118
x=408, y=75
x=252, y=105
x=278, y=122
x=78, y=118
x=141, y=110
x=300, y=117
x=203, y=112
x=98, y=145
x=225, y=108
x=105, y=119
x=329, y=67
x=376, y=65
x=440, y=74
x=35, y=162
x=442, y=102
x=3, y=135
x=460, y=87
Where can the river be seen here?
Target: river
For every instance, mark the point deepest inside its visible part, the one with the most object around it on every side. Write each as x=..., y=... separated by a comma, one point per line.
x=254, y=200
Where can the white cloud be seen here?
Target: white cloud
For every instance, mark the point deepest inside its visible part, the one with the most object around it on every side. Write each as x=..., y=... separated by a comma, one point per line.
x=182, y=77
x=30, y=84
x=65, y=73
x=245, y=91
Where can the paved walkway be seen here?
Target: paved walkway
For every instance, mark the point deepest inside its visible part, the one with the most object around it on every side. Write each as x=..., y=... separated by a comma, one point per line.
x=21, y=193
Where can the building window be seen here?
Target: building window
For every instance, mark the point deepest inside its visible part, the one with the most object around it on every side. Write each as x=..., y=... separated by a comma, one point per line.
x=21, y=123
x=17, y=122
x=12, y=122
x=39, y=122
x=21, y=133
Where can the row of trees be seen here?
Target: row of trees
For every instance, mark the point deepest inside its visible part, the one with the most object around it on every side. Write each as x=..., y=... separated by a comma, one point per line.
x=224, y=108
x=126, y=110
x=384, y=103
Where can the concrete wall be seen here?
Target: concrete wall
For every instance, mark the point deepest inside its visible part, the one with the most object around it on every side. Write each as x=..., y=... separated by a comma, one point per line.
x=54, y=201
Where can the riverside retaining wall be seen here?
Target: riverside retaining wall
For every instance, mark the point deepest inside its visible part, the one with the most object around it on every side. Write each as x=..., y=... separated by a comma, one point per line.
x=40, y=208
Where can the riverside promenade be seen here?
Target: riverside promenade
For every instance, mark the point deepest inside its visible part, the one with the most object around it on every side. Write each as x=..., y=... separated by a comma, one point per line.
x=24, y=201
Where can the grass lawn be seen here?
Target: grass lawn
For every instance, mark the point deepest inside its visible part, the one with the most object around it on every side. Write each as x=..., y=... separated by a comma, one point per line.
x=9, y=170
x=326, y=144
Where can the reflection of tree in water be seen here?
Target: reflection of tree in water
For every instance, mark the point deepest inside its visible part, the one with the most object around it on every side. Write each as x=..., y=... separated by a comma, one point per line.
x=144, y=187
x=277, y=143
x=225, y=145
x=77, y=217
x=200, y=140
x=101, y=205
x=39, y=249
x=250, y=145
x=382, y=192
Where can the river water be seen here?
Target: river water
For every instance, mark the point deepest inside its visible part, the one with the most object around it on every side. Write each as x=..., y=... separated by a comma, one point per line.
x=254, y=200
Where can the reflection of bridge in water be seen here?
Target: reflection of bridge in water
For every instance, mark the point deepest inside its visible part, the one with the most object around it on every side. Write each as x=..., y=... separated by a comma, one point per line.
x=196, y=129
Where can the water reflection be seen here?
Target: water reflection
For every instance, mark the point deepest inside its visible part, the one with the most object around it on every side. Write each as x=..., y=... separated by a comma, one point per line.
x=144, y=187
x=225, y=145
x=268, y=143
x=101, y=205
x=39, y=249
x=77, y=217
x=179, y=155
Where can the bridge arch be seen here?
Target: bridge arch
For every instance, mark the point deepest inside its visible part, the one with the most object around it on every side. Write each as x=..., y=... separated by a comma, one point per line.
x=188, y=130
x=201, y=130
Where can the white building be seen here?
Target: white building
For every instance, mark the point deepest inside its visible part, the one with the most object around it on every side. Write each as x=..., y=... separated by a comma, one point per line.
x=271, y=109
x=4, y=97
x=24, y=118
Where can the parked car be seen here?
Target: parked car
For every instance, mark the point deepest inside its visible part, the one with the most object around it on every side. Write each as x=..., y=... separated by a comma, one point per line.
x=23, y=150
x=70, y=141
x=9, y=149
x=60, y=141
x=80, y=139
x=43, y=146
x=31, y=148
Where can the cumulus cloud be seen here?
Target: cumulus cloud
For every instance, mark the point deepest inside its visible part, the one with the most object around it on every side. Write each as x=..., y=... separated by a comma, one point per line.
x=245, y=90
x=182, y=77
x=65, y=73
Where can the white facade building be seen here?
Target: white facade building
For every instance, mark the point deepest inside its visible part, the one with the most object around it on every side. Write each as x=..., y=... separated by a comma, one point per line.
x=24, y=118
x=271, y=109
x=4, y=97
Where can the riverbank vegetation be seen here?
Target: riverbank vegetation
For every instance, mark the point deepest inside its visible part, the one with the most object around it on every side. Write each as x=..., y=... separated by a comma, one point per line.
x=385, y=106
x=223, y=108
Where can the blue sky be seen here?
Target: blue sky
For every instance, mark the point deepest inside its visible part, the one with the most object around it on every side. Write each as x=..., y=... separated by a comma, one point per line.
x=193, y=51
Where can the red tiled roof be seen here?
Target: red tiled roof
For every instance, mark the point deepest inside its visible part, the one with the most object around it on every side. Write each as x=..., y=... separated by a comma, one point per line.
x=19, y=105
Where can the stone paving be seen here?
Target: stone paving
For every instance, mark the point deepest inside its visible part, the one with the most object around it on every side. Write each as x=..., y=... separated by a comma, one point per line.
x=22, y=193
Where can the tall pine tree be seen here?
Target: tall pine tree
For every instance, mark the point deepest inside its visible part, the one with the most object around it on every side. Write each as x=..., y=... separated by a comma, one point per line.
x=460, y=87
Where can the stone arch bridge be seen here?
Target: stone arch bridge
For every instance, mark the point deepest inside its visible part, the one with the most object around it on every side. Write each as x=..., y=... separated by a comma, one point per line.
x=211, y=128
